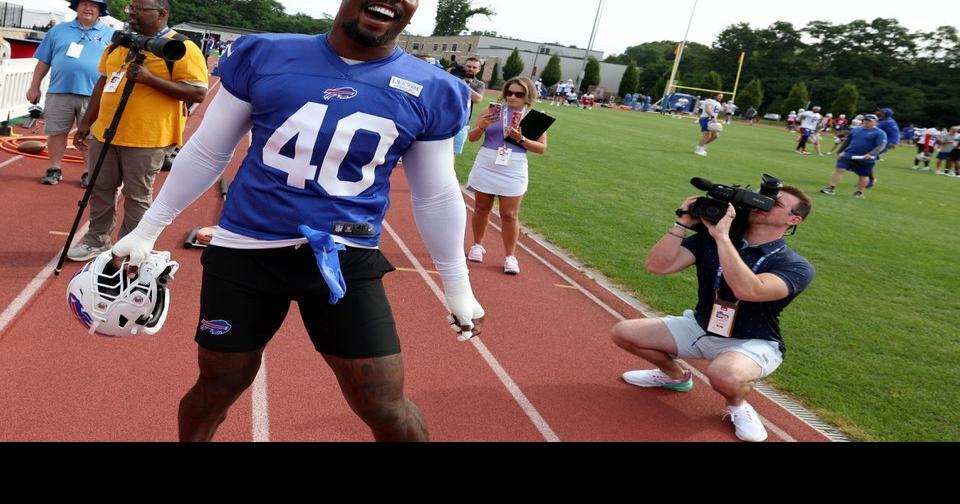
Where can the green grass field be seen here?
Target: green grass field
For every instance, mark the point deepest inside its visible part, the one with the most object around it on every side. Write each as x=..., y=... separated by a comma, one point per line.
x=872, y=345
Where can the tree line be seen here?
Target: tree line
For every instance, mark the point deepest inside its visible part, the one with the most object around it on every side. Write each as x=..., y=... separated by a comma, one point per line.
x=261, y=15
x=845, y=68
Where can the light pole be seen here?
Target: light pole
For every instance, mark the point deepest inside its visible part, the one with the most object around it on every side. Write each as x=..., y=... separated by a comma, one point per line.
x=676, y=62
x=593, y=35
x=533, y=72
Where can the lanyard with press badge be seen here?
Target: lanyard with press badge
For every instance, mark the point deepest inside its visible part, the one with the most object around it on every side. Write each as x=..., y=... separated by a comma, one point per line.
x=724, y=312
x=504, y=153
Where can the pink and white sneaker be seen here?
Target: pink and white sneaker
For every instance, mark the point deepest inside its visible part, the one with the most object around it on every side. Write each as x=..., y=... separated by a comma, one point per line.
x=511, y=266
x=476, y=253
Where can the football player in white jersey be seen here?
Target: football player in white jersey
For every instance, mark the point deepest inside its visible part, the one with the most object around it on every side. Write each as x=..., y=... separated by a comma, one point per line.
x=330, y=117
x=709, y=123
x=809, y=123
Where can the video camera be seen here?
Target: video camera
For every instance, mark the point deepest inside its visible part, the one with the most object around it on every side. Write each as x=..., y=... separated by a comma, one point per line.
x=459, y=72
x=168, y=49
x=713, y=206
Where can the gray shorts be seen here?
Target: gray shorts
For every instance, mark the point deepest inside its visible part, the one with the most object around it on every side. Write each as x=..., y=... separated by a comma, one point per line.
x=692, y=343
x=62, y=110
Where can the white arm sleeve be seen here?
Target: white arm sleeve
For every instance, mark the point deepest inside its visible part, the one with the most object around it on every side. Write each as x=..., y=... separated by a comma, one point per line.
x=438, y=205
x=203, y=159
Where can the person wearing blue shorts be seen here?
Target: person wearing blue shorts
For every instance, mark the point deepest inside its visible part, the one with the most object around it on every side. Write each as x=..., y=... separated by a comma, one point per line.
x=710, y=111
x=859, y=155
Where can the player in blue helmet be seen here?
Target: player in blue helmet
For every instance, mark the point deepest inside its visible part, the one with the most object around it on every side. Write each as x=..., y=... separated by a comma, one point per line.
x=330, y=116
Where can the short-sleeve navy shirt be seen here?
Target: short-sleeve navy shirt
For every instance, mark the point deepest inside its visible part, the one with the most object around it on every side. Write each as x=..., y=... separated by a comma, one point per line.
x=754, y=320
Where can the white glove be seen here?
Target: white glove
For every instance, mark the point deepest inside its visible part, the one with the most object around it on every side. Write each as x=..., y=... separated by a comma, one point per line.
x=138, y=243
x=466, y=314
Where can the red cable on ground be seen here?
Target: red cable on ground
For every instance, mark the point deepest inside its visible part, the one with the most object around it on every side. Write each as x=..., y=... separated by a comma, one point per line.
x=10, y=144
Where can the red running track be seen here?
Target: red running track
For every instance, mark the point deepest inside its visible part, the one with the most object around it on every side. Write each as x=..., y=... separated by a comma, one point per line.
x=544, y=369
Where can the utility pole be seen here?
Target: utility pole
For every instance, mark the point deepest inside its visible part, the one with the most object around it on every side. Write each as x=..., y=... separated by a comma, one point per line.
x=593, y=35
x=672, y=82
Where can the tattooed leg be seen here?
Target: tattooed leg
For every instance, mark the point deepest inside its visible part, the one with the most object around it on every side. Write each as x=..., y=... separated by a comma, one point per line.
x=374, y=390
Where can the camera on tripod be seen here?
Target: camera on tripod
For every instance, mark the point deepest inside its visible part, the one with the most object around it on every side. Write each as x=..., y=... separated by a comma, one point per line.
x=168, y=49
x=713, y=206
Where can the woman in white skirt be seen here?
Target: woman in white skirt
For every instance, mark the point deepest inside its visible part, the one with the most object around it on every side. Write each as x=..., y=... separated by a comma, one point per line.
x=500, y=170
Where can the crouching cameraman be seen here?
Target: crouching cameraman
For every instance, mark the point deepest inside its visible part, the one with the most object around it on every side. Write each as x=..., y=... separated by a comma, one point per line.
x=743, y=288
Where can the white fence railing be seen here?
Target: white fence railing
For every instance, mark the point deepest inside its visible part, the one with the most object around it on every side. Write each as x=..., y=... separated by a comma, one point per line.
x=15, y=78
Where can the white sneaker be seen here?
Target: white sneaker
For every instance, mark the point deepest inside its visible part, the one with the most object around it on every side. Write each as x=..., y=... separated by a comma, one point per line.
x=84, y=252
x=747, y=423
x=657, y=378
x=476, y=253
x=511, y=266
x=700, y=151
x=941, y=172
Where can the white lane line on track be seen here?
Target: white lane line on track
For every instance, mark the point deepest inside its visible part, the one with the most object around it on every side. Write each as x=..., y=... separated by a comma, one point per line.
x=22, y=299
x=11, y=160
x=770, y=425
x=260, y=406
x=261, y=410
x=518, y=395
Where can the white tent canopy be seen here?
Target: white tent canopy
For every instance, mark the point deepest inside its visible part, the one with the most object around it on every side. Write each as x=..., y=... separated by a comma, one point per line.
x=40, y=12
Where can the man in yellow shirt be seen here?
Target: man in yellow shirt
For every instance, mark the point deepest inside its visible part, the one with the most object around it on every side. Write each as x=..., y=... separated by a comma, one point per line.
x=151, y=126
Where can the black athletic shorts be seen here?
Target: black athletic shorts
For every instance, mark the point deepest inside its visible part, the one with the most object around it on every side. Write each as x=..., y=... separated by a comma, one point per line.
x=246, y=295
x=955, y=154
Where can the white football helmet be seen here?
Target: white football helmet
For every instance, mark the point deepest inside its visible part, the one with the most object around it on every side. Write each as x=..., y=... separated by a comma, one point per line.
x=109, y=303
x=715, y=127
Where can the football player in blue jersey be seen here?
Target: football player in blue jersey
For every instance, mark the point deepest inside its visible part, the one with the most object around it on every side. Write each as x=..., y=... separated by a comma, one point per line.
x=330, y=117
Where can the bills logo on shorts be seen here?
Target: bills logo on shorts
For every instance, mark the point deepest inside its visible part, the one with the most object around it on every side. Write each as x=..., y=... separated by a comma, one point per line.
x=343, y=93
x=215, y=327
x=76, y=307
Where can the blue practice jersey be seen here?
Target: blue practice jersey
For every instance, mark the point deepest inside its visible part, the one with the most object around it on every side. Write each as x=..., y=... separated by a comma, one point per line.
x=863, y=141
x=327, y=134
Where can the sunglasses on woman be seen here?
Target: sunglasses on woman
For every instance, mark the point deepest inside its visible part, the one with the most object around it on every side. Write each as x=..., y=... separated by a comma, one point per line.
x=518, y=94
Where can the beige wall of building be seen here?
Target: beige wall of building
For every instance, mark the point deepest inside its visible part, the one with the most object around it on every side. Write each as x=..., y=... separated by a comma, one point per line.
x=497, y=49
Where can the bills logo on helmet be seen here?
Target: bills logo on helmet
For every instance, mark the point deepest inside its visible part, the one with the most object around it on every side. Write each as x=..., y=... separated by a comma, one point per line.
x=343, y=93
x=76, y=307
x=215, y=327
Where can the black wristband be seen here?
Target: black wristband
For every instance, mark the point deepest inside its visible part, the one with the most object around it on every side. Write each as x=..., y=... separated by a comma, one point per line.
x=677, y=223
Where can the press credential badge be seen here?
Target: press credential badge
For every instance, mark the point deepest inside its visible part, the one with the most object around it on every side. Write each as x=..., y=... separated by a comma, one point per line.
x=114, y=82
x=722, y=318
x=74, y=50
x=503, y=156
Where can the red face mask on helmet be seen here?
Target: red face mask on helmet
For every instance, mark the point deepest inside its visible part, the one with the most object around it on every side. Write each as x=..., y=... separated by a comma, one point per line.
x=109, y=303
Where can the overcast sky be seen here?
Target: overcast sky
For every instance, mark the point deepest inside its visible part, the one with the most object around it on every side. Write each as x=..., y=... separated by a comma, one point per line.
x=630, y=22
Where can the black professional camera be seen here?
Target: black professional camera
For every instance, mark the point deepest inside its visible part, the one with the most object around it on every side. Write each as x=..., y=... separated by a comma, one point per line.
x=459, y=72
x=713, y=206
x=168, y=49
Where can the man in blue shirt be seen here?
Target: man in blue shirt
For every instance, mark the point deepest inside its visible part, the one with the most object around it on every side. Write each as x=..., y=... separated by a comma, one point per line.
x=72, y=51
x=859, y=154
x=743, y=289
